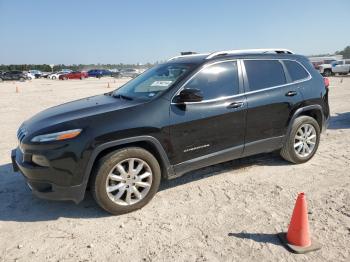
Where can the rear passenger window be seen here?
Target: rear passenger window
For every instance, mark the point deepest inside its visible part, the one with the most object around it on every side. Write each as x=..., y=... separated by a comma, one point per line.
x=295, y=70
x=264, y=73
x=218, y=80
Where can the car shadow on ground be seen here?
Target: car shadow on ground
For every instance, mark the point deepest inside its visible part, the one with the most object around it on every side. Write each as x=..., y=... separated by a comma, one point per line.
x=258, y=237
x=18, y=204
x=340, y=121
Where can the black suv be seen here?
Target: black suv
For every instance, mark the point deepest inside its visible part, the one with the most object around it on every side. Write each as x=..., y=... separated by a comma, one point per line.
x=13, y=75
x=191, y=112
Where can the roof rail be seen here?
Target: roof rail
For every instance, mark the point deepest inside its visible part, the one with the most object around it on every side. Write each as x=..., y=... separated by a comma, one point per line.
x=190, y=55
x=252, y=51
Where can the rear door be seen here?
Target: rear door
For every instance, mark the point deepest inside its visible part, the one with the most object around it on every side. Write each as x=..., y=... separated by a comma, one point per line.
x=215, y=124
x=270, y=100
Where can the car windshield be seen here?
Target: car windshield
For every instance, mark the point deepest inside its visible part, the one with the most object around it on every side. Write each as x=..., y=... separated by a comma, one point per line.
x=153, y=82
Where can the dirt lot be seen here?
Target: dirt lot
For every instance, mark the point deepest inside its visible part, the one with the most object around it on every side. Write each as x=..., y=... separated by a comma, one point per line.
x=228, y=212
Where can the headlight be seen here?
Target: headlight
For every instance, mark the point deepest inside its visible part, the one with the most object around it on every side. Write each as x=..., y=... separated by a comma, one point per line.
x=57, y=136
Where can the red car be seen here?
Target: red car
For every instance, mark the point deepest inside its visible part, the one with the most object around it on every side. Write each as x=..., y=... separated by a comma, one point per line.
x=74, y=75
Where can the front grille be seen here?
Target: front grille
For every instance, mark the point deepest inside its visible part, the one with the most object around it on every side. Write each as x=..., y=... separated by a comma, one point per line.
x=21, y=133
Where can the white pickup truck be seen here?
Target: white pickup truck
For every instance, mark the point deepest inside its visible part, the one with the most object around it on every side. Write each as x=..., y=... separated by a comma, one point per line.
x=341, y=67
x=332, y=67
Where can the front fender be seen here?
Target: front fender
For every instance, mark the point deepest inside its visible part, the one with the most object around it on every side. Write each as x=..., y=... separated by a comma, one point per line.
x=125, y=141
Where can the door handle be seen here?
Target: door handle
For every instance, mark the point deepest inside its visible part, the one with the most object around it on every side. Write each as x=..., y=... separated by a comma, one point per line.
x=291, y=93
x=235, y=105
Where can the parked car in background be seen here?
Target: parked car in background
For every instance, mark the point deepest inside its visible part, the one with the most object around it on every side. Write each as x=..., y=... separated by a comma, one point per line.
x=29, y=76
x=115, y=73
x=13, y=75
x=317, y=64
x=56, y=75
x=45, y=74
x=325, y=68
x=36, y=73
x=129, y=72
x=73, y=75
x=99, y=73
x=341, y=67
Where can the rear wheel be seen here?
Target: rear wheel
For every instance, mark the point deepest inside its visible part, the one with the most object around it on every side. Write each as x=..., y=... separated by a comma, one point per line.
x=302, y=141
x=53, y=78
x=125, y=180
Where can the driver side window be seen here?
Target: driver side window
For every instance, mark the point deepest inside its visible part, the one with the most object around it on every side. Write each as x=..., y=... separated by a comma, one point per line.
x=217, y=80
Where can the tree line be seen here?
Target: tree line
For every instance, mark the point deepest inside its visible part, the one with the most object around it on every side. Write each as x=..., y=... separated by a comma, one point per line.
x=75, y=67
x=345, y=52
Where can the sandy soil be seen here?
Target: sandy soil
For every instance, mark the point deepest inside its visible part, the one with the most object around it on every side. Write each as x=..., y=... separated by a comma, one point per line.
x=228, y=212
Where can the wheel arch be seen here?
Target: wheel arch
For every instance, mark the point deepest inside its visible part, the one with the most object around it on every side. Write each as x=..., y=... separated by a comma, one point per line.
x=314, y=111
x=148, y=143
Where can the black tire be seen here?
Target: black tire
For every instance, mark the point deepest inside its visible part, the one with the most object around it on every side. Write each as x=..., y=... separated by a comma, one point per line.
x=327, y=72
x=53, y=78
x=288, y=151
x=105, y=165
x=21, y=79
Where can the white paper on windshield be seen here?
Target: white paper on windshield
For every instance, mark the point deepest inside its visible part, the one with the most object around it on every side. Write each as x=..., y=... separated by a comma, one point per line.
x=161, y=83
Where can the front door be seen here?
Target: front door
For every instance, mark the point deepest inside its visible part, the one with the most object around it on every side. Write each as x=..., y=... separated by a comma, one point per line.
x=213, y=125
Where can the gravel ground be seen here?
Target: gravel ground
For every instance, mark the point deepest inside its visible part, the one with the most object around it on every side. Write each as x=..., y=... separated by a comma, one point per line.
x=227, y=212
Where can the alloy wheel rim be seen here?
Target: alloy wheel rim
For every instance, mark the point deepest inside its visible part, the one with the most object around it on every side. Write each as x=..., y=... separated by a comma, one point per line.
x=305, y=140
x=129, y=181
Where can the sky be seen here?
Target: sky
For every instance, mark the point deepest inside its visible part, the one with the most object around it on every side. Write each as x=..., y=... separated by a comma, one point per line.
x=101, y=31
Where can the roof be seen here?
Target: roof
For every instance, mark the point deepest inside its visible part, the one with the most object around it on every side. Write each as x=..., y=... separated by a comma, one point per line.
x=251, y=53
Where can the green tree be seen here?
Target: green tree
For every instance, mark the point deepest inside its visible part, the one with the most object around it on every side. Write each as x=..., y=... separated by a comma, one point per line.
x=345, y=52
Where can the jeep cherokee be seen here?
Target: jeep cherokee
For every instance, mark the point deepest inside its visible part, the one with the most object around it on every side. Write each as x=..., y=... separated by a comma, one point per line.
x=190, y=112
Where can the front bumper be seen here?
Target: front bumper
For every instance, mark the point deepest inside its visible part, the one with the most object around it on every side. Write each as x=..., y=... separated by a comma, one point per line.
x=41, y=181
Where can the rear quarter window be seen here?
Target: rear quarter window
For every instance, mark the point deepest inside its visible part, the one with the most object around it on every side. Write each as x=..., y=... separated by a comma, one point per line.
x=264, y=74
x=295, y=70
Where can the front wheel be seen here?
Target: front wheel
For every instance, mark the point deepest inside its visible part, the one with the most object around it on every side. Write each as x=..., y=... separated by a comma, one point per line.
x=302, y=142
x=125, y=180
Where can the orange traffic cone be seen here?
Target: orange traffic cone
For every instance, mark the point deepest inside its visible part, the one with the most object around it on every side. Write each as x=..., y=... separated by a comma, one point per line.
x=297, y=238
x=17, y=90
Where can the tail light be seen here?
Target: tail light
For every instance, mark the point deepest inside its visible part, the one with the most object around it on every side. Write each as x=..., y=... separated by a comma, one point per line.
x=326, y=81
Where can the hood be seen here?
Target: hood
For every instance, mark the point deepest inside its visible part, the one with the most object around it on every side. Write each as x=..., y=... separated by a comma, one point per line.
x=76, y=110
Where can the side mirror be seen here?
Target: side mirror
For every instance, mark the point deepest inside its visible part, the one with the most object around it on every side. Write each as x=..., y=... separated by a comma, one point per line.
x=189, y=95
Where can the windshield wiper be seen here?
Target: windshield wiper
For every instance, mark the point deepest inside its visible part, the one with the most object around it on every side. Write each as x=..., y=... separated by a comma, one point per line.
x=123, y=97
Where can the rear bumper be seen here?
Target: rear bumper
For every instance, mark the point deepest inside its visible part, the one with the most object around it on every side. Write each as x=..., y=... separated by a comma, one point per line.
x=39, y=180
